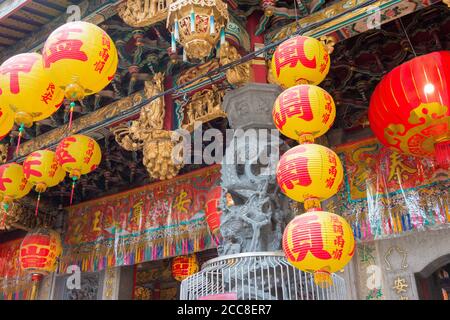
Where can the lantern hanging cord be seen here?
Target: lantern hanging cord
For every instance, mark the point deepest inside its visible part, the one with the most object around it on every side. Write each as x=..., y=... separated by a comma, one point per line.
x=221, y=69
x=407, y=37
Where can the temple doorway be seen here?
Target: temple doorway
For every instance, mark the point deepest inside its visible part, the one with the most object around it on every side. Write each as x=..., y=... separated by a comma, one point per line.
x=433, y=282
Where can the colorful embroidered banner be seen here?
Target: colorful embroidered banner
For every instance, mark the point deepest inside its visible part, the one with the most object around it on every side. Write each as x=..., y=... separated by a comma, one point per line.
x=386, y=193
x=158, y=221
x=14, y=284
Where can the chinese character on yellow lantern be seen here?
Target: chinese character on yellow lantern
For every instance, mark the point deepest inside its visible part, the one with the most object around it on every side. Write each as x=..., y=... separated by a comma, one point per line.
x=319, y=242
x=309, y=173
x=184, y=266
x=300, y=60
x=78, y=155
x=6, y=121
x=42, y=170
x=13, y=184
x=304, y=110
x=81, y=58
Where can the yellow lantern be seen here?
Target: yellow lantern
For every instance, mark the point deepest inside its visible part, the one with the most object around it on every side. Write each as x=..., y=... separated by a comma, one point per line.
x=319, y=242
x=81, y=57
x=13, y=184
x=6, y=121
x=300, y=60
x=28, y=89
x=42, y=170
x=77, y=155
x=184, y=266
x=304, y=112
x=310, y=173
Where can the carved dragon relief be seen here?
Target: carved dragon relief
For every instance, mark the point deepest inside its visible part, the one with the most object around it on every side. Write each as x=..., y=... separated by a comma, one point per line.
x=141, y=13
x=147, y=134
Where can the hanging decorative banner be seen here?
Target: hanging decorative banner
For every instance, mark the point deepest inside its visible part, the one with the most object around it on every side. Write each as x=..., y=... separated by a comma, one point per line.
x=14, y=283
x=387, y=193
x=161, y=220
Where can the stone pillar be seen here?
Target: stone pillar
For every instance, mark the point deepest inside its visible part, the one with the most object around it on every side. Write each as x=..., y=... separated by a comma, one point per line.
x=258, y=216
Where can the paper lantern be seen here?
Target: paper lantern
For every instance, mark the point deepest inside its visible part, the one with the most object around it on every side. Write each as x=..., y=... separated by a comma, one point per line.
x=319, y=242
x=304, y=111
x=13, y=184
x=28, y=89
x=78, y=155
x=6, y=121
x=184, y=266
x=81, y=57
x=212, y=212
x=410, y=108
x=42, y=170
x=300, y=60
x=311, y=173
x=38, y=255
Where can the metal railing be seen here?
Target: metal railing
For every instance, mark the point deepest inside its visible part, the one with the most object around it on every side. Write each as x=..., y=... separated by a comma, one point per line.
x=257, y=276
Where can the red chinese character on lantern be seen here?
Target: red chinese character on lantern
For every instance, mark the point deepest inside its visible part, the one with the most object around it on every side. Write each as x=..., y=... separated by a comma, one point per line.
x=325, y=117
x=64, y=48
x=328, y=106
x=323, y=66
x=14, y=66
x=292, y=52
x=105, y=41
x=302, y=231
x=62, y=153
x=294, y=102
x=339, y=241
x=295, y=172
x=337, y=254
x=99, y=66
x=329, y=183
x=333, y=171
x=337, y=228
x=2, y=183
x=48, y=95
x=27, y=166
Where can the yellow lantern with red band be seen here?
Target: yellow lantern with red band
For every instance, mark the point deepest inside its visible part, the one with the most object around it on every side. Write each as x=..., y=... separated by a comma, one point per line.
x=184, y=266
x=39, y=252
x=13, y=184
x=310, y=173
x=42, y=170
x=6, y=121
x=82, y=59
x=300, y=60
x=304, y=110
x=28, y=90
x=78, y=155
x=319, y=242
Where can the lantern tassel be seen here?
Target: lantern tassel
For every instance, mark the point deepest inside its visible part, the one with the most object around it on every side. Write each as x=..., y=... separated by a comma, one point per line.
x=173, y=44
x=74, y=180
x=37, y=205
x=21, y=128
x=72, y=106
x=176, y=30
x=212, y=29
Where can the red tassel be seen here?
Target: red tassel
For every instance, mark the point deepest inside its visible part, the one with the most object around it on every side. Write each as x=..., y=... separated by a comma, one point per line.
x=21, y=128
x=442, y=153
x=73, y=189
x=72, y=105
x=37, y=205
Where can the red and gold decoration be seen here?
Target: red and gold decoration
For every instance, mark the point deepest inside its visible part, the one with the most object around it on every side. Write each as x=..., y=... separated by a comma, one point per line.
x=304, y=110
x=300, y=60
x=78, y=155
x=28, y=90
x=39, y=252
x=319, y=242
x=13, y=184
x=212, y=211
x=197, y=25
x=184, y=267
x=81, y=58
x=410, y=108
x=6, y=121
x=42, y=170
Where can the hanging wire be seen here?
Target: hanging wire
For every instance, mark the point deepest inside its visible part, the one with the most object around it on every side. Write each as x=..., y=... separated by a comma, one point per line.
x=407, y=37
x=221, y=69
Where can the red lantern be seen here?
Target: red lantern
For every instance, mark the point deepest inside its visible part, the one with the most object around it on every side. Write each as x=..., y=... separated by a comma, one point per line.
x=410, y=108
x=184, y=266
x=212, y=212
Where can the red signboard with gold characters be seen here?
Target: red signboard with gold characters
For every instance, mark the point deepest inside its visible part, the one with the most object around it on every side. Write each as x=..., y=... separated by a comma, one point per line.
x=319, y=242
x=410, y=108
